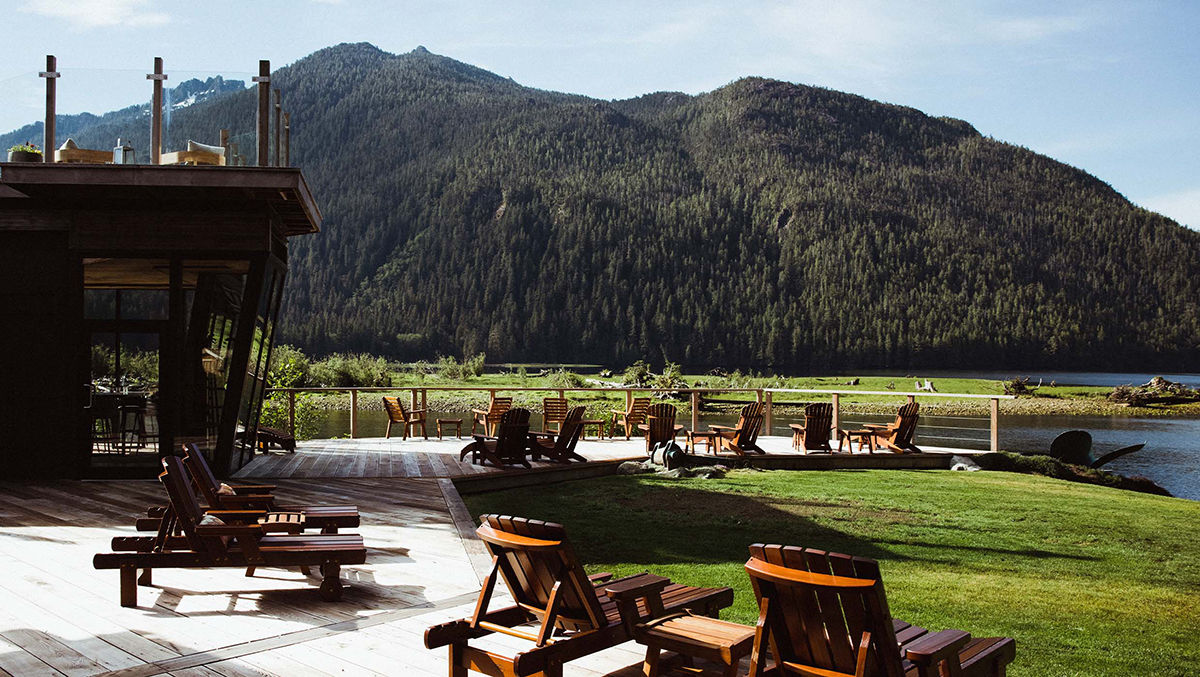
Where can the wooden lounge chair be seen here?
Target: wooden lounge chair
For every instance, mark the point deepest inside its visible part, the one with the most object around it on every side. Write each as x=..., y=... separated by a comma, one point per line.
x=554, y=412
x=225, y=545
x=826, y=614
x=814, y=434
x=397, y=414
x=268, y=437
x=491, y=416
x=744, y=436
x=631, y=418
x=898, y=434
x=576, y=615
x=660, y=425
x=561, y=446
x=508, y=447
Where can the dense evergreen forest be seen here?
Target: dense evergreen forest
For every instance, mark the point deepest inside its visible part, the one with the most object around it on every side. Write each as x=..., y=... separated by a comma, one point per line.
x=764, y=223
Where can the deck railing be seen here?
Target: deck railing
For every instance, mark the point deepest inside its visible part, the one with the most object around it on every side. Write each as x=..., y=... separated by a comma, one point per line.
x=419, y=400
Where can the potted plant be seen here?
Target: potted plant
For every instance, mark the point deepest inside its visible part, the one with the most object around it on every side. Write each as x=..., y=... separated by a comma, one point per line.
x=26, y=152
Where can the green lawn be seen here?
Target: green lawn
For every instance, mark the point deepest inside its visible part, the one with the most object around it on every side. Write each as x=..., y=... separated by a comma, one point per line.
x=1089, y=580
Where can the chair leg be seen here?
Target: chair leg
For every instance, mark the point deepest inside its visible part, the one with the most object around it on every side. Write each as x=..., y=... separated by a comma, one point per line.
x=456, y=660
x=146, y=579
x=128, y=586
x=388, y=434
x=249, y=571
x=650, y=667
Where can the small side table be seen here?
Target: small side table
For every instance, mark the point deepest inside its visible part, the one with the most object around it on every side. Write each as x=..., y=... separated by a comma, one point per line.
x=695, y=637
x=850, y=436
x=456, y=422
x=599, y=423
x=708, y=437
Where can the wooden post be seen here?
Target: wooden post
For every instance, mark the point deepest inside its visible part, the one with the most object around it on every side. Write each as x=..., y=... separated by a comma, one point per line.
x=628, y=400
x=837, y=412
x=562, y=395
x=287, y=139
x=156, y=111
x=412, y=399
x=51, y=75
x=225, y=146
x=424, y=400
x=292, y=412
x=353, y=414
x=491, y=398
x=768, y=415
x=695, y=410
x=278, y=127
x=995, y=424
x=911, y=399
x=264, y=111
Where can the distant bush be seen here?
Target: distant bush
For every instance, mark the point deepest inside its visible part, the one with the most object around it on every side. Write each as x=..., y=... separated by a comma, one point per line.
x=637, y=375
x=450, y=368
x=564, y=379
x=275, y=414
x=351, y=370
x=671, y=377
x=289, y=368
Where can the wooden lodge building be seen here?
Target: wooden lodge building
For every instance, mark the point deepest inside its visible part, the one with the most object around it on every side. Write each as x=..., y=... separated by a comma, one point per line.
x=178, y=265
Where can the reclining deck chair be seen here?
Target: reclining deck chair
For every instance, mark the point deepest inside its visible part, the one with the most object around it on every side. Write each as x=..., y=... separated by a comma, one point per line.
x=561, y=446
x=576, y=615
x=224, y=545
x=630, y=418
x=744, y=436
x=399, y=415
x=660, y=425
x=814, y=434
x=508, y=447
x=491, y=416
x=826, y=614
x=897, y=435
x=328, y=518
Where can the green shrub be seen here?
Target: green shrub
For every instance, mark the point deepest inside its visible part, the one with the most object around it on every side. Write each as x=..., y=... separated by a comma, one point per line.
x=275, y=414
x=474, y=366
x=637, y=375
x=289, y=368
x=564, y=379
x=350, y=370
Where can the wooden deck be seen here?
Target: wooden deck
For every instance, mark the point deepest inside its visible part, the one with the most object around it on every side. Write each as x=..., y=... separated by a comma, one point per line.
x=61, y=617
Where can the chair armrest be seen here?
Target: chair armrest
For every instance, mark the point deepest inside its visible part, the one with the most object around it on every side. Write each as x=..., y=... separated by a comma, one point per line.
x=876, y=426
x=602, y=577
x=937, y=647
x=237, y=515
x=481, y=412
x=484, y=438
x=618, y=412
x=418, y=411
x=722, y=428
x=549, y=436
x=636, y=587
x=253, y=488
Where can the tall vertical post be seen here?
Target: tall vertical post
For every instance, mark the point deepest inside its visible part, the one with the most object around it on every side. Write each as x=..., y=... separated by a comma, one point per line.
x=225, y=147
x=287, y=141
x=292, y=412
x=278, y=129
x=837, y=411
x=911, y=399
x=412, y=400
x=995, y=424
x=695, y=410
x=51, y=75
x=768, y=414
x=156, y=111
x=353, y=414
x=264, y=111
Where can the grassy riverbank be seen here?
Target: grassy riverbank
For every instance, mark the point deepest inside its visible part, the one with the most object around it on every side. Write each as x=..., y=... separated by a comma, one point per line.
x=1089, y=580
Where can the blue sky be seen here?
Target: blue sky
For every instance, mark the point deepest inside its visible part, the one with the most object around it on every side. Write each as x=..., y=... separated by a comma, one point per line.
x=1111, y=87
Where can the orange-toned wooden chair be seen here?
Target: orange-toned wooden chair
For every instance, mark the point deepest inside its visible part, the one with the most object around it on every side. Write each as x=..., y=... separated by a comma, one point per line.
x=510, y=446
x=660, y=425
x=814, y=434
x=630, y=418
x=897, y=435
x=554, y=411
x=743, y=437
x=409, y=420
x=824, y=613
x=560, y=446
x=491, y=416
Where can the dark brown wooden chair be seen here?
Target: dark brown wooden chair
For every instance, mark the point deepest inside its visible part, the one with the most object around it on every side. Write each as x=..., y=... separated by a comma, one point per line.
x=660, y=425
x=814, y=434
x=743, y=437
x=825, y=614
x=398, y=414
x=554, y=412
x=224, y=545
x=268, y=437
x=576, y=614
x=897, y=435
x=560, y=447
x=510, y=446
x=491, y=416
x=630, y=418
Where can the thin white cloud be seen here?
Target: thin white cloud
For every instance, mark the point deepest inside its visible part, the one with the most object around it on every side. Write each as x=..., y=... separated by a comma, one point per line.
x=84, y=15
x=1033, y=29
x=1181, y=205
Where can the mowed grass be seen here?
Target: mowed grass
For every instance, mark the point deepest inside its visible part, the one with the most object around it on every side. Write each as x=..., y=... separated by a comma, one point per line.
x=1089, y=580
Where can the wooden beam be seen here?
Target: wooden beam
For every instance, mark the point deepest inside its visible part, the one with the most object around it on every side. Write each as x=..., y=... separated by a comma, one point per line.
x=995, y=416
x=48, y=141
x=278, y=128
x=264, y=111
x=287, y=140
x=156, y=111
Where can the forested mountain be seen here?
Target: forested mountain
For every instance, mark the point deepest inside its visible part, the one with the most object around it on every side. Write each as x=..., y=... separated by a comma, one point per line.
x=764, y=223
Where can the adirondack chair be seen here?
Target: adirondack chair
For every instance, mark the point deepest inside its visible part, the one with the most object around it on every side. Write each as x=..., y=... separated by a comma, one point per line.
x=826, y=614
x=399, y=415
x=491, y=416
x=561, y=446
x=814, y=434
x=744, y=436
x=660, y=425
x=898, y=434
x=577, y=614
x=630, y=418
x=508, y=447
x=554, y=412
x=224, y=545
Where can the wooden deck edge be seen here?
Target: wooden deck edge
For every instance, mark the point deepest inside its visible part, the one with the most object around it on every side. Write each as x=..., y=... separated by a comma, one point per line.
x=511, y=479
x=465, y=524
x=852, y=462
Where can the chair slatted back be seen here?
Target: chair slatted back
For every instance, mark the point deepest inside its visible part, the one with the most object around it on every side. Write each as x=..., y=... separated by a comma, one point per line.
x=819, y=605
x=512, y=434
x=660, y=421
x=569, y=432
x=749, y=425
x=637, y=410
x=532, y=557
x=818, y=422
x=554, y=412
x=187, y=509
x=395, y=409
x=906, y=424
x=202, y=475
